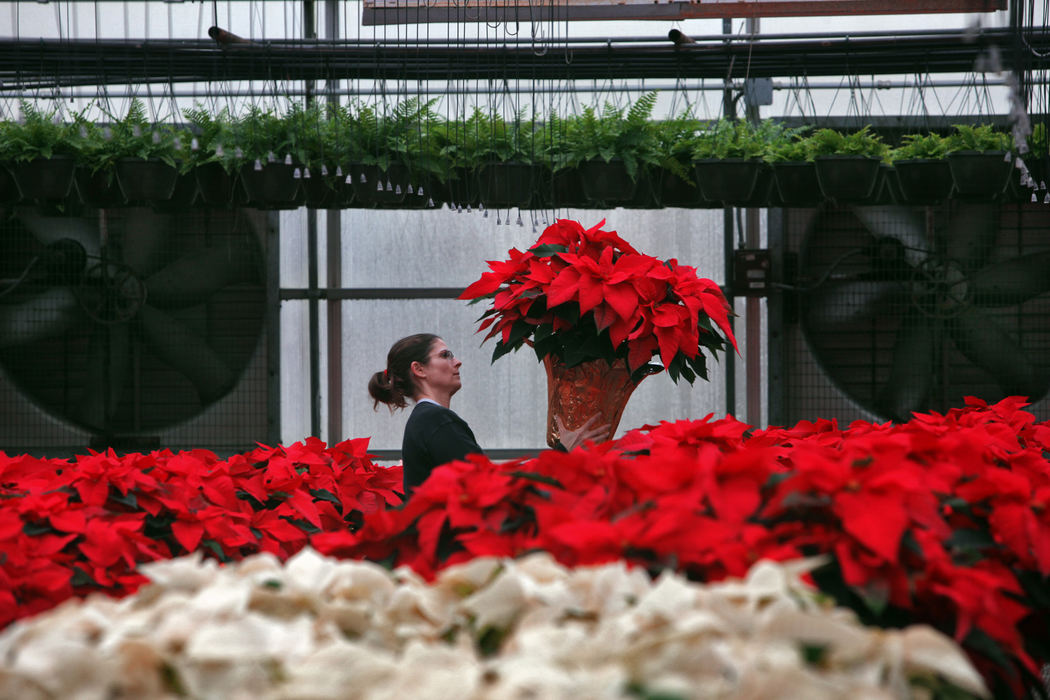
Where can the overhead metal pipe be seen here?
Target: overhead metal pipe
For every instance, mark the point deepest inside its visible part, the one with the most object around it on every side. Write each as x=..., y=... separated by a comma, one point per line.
x=541, y=89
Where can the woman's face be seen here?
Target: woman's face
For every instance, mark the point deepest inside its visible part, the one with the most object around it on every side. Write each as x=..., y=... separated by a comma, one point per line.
x=442, y=368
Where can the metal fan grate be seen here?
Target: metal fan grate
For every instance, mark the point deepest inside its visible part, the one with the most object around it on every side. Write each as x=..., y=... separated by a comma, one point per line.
x=158, y=323
x=912, y=309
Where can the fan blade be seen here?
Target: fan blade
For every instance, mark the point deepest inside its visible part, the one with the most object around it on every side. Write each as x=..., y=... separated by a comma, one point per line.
x=971, y=232
x=142, y=245
x=843, y=302
x=109, y=362
x=911, y=374
x=987, y=345
x=195, y=277
x=906, y=224
x=46, y=315
x=50, y=229
x=183, y=349
x=1012, y=281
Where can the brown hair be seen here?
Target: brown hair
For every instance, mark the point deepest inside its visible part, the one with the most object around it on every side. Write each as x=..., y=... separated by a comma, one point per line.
x=395, y=384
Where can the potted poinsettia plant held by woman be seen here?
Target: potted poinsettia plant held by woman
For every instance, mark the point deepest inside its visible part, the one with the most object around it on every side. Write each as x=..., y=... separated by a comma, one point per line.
x=597, y=312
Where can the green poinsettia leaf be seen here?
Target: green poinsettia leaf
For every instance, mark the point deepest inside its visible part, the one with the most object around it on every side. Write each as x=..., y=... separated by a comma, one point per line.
x=326, y=495
x=876, y=596
x=500, y=350
x=518, y=332
x=547, y=250
x=541, y=478
x=970, y=539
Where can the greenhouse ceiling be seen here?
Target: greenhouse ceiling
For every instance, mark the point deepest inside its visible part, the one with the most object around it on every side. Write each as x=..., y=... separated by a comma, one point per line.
x=38, y=63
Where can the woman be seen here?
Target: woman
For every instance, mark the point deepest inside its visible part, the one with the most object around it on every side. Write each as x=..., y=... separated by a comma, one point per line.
x=421, y=368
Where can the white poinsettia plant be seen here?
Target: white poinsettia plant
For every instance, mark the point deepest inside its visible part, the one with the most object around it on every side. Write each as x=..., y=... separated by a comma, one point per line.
x=491, y=628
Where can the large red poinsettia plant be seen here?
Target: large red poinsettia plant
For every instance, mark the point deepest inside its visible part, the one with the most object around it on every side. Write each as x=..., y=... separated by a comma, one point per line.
x=581, y=294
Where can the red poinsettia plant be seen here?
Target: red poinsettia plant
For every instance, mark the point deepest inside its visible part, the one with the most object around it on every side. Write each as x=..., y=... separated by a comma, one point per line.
x=585, y=294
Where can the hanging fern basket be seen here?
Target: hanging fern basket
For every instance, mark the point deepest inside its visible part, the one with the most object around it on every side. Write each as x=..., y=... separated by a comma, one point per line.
x=924, y=181
x=44, y=179
x=9, y=193
x=215, y=186
x=507, y=184
x=607, y=183
x=796, y=183
x=848, y=179
x=146, y=181
x=980, y=175
x=728, y=180
x=99, y=189
x=274, y=186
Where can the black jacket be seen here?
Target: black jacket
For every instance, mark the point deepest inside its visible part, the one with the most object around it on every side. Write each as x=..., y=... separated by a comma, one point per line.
x=434, y=435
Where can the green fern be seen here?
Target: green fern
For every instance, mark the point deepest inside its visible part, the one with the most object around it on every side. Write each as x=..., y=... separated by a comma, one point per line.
x=920, y=146
x=134, y=136
x=39, y=135
x=629, y=137
x=983, y=137
x=829, y=142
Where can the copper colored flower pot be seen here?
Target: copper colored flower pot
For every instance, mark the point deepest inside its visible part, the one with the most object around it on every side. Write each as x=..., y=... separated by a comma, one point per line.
x=577, y=393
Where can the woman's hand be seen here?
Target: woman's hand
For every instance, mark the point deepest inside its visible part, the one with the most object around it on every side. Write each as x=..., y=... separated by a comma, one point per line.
x=571, y=439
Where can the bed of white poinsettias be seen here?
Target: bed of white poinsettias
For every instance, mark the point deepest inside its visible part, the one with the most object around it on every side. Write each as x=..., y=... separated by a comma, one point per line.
x=528, y=628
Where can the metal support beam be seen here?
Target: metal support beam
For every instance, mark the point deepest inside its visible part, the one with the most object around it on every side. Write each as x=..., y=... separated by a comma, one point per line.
x=273, y=332
x=753, y=305
x=334, y=258
x=313, y=304
x=728, y=111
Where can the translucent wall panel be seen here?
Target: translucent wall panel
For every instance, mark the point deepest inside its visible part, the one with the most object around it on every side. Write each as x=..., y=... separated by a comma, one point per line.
x=295, y=371
x=294, y=270
x=403, y=248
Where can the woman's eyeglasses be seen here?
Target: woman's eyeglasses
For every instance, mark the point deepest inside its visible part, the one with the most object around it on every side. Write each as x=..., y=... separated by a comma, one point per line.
x=446, y=354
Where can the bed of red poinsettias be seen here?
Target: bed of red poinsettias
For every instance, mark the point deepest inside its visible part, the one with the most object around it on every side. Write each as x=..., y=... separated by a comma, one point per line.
x=75, y=527
x=943, y=519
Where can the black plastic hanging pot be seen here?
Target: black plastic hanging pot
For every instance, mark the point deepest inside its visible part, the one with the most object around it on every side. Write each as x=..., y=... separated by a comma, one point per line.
x=99, y=189
x=215, y=186
x=679, y=193
x=507, y=184
x=764, y=194
x=9, y=193
x=848, y=179
x=273, y=186
x=146, y=180
x=374, y=186
x=796, y=183
x=607, y=183
x=645, y=193
x=319, y=191
x=461, y=189
x=182, y=197
x=924, y=181
x=566, y=190
x=728, y=180
x=980, y=175
x=44, y=179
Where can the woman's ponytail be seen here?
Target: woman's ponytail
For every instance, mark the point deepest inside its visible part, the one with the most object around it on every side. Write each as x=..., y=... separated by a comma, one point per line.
x=394, y=385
